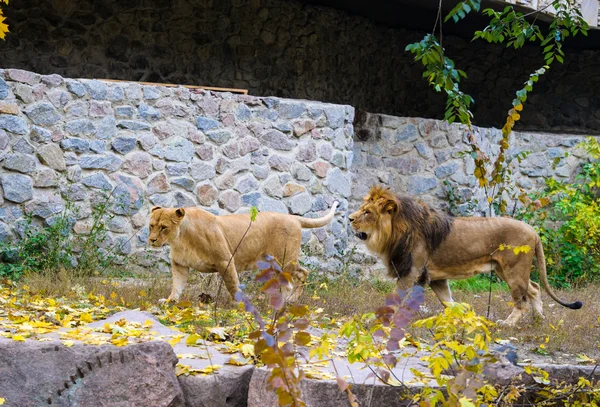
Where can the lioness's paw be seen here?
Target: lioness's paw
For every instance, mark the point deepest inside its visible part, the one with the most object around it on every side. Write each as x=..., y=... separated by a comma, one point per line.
x=163, y=301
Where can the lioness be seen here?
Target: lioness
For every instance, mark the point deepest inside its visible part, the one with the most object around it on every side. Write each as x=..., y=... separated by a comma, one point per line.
x=421, y=245
x=206, y=243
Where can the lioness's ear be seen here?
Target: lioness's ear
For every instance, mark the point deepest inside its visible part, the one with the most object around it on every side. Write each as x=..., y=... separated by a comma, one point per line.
x=391, y=206
x=155, y=208
x=180, y=213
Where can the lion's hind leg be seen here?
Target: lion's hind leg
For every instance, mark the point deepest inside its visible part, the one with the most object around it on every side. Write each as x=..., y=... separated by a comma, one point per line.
x=519, y=291
x=535, y=296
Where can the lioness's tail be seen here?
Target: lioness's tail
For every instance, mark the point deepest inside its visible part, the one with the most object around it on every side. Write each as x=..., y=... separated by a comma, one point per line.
x=541, y=262
x=318, y=222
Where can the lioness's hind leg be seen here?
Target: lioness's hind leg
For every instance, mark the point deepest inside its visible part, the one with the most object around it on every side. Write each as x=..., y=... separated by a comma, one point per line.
x=519, y=295
x=180, y=277
x=534, y=294
x=441, y=288
x=299, y=276
x=230, y=278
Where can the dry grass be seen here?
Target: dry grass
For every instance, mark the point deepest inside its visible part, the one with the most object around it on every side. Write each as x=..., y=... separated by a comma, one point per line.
x=564, y=333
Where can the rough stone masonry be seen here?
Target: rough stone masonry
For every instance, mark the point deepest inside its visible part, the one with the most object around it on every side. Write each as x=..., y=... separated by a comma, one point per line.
x=64, y=142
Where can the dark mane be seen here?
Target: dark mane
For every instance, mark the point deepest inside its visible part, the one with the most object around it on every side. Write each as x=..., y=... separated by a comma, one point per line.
x=414, y=221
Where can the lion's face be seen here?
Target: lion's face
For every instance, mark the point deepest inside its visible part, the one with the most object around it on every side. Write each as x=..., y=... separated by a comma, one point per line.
x=164, y=225
x=374, y=218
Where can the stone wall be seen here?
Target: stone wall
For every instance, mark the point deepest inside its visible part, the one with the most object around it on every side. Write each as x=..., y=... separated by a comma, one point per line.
x=424, y=157
x=65, y=140
x=290, y=49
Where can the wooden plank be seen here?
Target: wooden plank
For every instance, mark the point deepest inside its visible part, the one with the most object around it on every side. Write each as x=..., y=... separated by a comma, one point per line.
x=211, y=88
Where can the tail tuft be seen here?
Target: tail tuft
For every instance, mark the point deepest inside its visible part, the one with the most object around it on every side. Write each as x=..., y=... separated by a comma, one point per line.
x=575, y=305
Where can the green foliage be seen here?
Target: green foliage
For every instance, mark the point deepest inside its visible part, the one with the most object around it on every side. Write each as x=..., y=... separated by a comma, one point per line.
x=567, y=218
x=463, y=8
x=55, y=246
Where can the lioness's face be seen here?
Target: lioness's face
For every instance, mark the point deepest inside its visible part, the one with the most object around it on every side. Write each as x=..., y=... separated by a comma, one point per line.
x=164, y=225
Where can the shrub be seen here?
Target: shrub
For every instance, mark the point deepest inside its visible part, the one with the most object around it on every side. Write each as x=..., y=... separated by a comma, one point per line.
x=55, y=246
x=567, y=218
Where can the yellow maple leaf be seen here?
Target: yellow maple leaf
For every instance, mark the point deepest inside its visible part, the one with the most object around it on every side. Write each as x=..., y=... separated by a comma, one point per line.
x=175, y=339
x=18, y=338
x=85, y=317
x=1, y=399
x=68, y=344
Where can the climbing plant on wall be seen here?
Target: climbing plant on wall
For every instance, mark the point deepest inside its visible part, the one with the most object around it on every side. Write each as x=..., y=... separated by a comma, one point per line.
x=514, y=30
x=3, y=25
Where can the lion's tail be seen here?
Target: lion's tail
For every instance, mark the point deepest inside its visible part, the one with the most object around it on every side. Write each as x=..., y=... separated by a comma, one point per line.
x=318, y=222
x=541, y=262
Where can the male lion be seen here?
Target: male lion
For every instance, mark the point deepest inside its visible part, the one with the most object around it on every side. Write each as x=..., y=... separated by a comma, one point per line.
x=421, y=245
x=206, y=243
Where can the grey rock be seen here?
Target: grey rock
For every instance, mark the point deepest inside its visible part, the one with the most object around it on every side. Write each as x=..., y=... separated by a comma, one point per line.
x=17, y=188
x=419, y=184
x=407, y=133
x=20, y=162
x=97, y=90
x=337, y=182
x=423, y=150
x=186, y=183
x=205, y=152
x=128, y=195
x=445, y=170
x=107, y=128
x=76, y=88
x=179, y=149
x=115, y=93
x=307, y=151
x=148, y=112
x=267, y=204
x=300, y=204
x=301, y=172
x=109, y=162
x=5, y=233
x=80, y=127
x=3, y=89
x=45, y=178
x=291, y=109
x=71, y=158
x=98, y=180
x=23, y=146
x=247, y=184
x=123, y=144
x=207, y=194
x=4, y=140
x=45, y=206
x=272, y=186
x=206, y=123
x=78, y=145
x=260, y=171
x=183, y=200
x=42, y=114
x=277, y=140
x=280, y=163
x=147, y=141
x=133, y=125
x=133, y=91
x=228, y=388
x=98, y=146
x=67, y=376
x=176, y=169
x=52, y=156
x=339, y=160
x=243, y=112
x=13, y=124
x=251, y=199
x=151, y=92
x=335, y=116
x=219, y=136
x=40, y=135
x=122, y=245
x=201, y=171
x=283, y=126
x=124, y=112
x=162, y=200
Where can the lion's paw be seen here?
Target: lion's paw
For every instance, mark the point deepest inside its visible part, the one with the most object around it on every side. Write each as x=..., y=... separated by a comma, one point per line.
x=164, y=301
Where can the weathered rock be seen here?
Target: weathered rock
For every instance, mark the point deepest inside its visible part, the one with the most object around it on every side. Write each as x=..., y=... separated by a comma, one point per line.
x=300, y=204
x=9, y=108
x=148, y=112
x=139, y=375
x=207, y=194
x=133, y=125
x=42, y=114
x=3, y=89
x=179, y=149
x=206, y=123
x=40, y=135
x=418, y=184
x=98, y=180
x=291, y=189
x=97, y=90
x=17, y=188
x=280, y=163
x=247, y=184
x=272, y=186
x=267, y=204
x=52, y=156
x=13, y=124
x=301, y=172
x=138, y=163
x=219, y=136
x=20, y=162
x=228, y=388
x=75, y=144
x=277, y=140
x=45, y=205
x=230, y=201
x=158, y=184
x=186, y=183
x=201, y=171
x=183, y=200
x=123, y=144
x=109, y=162
x=45, y=178
x=307, y=151
x=205, y=152
x=337, y=182
x=80, y=127
x=128, y=195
